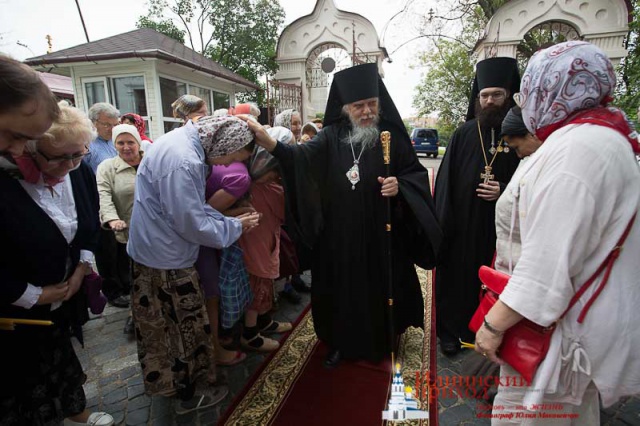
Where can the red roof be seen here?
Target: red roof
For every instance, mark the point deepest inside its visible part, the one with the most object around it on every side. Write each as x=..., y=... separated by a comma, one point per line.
x=58, y=84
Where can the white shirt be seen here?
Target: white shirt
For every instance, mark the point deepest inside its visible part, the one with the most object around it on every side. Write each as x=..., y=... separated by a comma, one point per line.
x=58, y=203
x=574, y=197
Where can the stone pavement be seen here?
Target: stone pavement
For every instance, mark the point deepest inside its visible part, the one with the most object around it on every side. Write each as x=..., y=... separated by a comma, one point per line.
x=458, y=410
x=114, y=382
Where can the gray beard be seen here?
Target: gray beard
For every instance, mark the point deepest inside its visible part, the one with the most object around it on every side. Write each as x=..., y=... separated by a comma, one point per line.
x=367, y=137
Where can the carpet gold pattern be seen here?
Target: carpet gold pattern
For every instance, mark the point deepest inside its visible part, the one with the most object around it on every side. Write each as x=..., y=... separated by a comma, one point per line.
x=261, y=403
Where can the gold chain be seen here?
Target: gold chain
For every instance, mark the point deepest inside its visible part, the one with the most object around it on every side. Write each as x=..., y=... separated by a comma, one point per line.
x=495, y=154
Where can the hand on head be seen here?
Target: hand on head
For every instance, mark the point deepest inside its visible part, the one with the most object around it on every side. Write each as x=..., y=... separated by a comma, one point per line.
x=262, y=137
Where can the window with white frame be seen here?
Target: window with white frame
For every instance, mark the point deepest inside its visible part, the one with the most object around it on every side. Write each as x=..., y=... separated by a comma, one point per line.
x=220, y=100
x=95, y=90
x=171, y=89
x=127, y=93
x=203, y=94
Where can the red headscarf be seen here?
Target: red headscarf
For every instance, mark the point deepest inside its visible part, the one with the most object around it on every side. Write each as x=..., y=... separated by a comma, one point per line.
x=139, y=123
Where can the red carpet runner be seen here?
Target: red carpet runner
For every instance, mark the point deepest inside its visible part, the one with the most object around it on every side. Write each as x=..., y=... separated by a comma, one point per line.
x=293, y=388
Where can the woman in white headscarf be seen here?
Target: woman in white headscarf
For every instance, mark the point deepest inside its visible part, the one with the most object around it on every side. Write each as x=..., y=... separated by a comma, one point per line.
x=290, y=119
x=569, y=205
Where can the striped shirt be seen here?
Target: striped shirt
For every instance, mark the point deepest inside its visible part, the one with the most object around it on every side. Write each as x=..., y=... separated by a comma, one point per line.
x=99, y=150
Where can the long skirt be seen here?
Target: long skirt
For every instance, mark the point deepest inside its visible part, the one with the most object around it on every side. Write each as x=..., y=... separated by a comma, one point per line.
x=41, y=376
x=262, y=290
x=172, y=329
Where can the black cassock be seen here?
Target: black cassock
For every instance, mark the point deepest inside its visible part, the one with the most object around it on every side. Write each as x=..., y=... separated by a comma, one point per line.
x=468, y=224
x=345, y=228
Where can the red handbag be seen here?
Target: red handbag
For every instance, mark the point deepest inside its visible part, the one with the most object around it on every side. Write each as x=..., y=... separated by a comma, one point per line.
x=525, y=345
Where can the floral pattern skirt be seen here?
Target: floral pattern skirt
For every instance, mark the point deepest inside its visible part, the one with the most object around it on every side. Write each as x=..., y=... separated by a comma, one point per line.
x=41, y=376
x=172, y=329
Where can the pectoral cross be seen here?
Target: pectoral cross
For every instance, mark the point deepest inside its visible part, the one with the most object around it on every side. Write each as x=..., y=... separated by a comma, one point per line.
x=487, y=176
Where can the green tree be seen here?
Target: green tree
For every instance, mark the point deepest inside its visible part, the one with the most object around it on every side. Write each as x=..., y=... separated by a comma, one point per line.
x=240, y=35
x=628, y=90
x=446, y=84
x=448, y=66
x=407, y=126
x=166, y=27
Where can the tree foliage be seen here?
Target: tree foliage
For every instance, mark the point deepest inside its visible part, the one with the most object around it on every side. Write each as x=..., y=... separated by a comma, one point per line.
x=445, y=87
x=628, y=89
x=241, y=35
x=166, y=27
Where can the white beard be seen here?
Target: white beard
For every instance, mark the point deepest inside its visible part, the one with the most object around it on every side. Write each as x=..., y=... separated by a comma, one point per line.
x=367, y=136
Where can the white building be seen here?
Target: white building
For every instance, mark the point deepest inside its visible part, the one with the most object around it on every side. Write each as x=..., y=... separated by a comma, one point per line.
x=143, y=71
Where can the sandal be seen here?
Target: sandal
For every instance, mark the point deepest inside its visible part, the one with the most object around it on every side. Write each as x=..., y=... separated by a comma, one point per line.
x=259, y=343
x=237, y=358
x=277, y=327
x=199, y=402
x=95, y=419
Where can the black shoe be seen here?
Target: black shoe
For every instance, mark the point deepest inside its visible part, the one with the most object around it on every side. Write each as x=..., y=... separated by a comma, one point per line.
x=291, y=296
x=300, y=285
x=449, y=347
x=128, y=326
x=333, y=359
x=120, y=302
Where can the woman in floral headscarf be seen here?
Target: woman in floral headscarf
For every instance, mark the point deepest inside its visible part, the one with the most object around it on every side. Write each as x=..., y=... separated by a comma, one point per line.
x=566, y=208
x=170, y=221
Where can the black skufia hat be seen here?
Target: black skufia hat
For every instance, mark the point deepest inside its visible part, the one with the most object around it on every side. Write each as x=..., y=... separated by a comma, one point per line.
x=513, y=123
x=494, y=72
x=355, y=84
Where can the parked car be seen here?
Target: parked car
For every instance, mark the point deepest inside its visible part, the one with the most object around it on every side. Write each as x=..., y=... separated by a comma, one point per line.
x=425, y=141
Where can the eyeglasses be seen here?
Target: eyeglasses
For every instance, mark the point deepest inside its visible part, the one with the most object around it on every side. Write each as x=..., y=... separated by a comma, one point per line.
x=75, y=158
x=107, y=125
x=498, y=96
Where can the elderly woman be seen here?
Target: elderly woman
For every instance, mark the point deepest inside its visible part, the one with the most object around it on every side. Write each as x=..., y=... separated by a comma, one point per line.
x=116, y=182
x=225, y=191
x=309, y=130
x=262, y=248
x=563, y=213
x=49, y=217
x=138, y=122
x=290, y=118
x=189, y=107
x=170, y=222
x=27, y=106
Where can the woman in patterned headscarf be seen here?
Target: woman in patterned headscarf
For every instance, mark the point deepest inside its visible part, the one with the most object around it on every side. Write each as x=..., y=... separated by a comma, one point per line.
x=188, y=107
x=289, y=118
x=169, y=223
x=565, y=210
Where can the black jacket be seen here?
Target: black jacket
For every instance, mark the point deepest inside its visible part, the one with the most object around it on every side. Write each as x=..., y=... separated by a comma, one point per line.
x=33, y=248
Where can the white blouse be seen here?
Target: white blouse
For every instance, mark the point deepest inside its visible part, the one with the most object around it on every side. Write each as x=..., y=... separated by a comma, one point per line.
x=574, y=198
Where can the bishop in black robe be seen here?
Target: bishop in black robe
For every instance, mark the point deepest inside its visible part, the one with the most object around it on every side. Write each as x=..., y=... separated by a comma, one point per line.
x=345, y=227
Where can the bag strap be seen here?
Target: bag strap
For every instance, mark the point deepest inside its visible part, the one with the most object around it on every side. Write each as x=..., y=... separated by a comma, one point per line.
x=607, y=266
